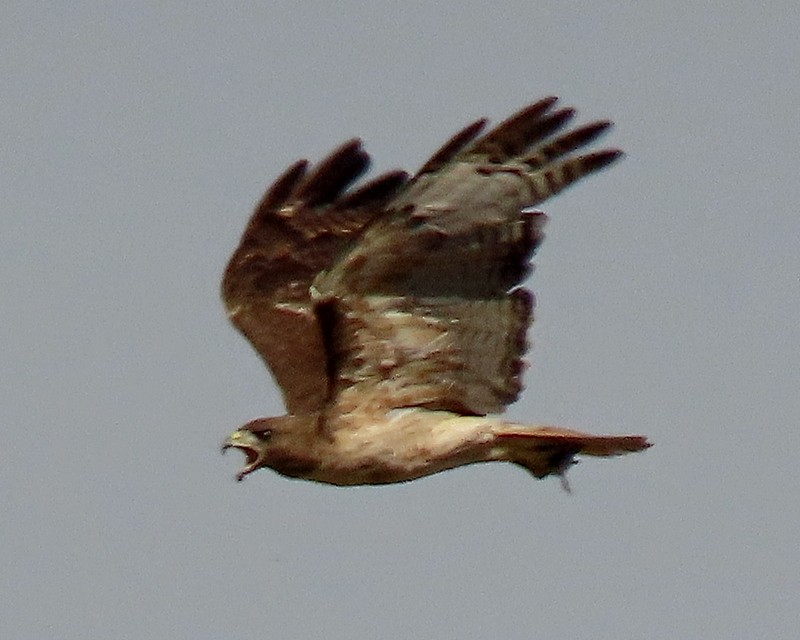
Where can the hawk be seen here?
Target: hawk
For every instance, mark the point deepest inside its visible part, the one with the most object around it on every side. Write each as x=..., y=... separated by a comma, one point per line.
x=392, y=314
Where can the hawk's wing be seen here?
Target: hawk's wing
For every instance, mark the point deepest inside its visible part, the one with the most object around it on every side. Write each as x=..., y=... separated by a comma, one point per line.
x=298, y=229
x=425, y=308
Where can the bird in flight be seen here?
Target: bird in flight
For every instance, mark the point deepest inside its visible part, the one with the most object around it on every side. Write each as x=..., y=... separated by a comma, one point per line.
x=392, y=314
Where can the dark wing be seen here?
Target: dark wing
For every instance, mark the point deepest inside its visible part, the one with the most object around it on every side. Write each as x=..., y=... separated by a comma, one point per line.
x=425, y=309
x=302, y=224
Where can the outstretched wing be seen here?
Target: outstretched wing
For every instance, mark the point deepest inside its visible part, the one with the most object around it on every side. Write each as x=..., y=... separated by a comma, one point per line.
x=302, y=224
x=425, y=308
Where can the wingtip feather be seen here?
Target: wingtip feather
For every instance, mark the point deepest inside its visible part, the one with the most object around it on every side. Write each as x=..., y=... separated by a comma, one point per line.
x=334, y=174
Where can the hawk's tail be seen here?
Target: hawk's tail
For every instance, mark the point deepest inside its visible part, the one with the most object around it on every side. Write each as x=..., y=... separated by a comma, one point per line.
x=552, y=450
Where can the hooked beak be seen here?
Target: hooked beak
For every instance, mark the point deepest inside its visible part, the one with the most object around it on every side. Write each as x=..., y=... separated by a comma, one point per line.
x=249, y=444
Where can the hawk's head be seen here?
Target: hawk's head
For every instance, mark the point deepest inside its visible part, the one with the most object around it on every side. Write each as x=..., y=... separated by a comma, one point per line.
x=278, y=443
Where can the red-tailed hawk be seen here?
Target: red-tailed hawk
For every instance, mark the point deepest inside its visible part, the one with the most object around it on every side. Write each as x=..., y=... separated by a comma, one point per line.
x=392, y=315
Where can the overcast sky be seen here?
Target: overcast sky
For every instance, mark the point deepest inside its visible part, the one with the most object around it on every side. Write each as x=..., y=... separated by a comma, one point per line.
x=136, y=137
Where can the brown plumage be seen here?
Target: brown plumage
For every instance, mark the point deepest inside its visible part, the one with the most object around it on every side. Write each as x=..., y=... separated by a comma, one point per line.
x=392, y=315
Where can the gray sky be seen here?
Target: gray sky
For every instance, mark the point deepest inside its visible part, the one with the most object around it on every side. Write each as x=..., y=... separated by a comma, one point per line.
x=136, y=138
